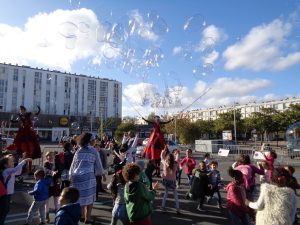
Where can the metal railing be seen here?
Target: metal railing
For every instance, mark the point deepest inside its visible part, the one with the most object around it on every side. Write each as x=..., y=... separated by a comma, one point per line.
x=40, y=162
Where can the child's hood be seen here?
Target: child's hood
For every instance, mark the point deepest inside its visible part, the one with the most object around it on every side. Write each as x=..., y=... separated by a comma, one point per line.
x=73, y=210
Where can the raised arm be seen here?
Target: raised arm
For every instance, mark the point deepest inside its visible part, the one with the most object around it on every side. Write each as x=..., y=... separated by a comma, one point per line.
x=148, y=121
x=167, y=121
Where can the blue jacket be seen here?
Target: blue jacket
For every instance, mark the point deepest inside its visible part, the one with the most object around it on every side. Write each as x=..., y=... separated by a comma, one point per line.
x=68, y=215
x=41, y=189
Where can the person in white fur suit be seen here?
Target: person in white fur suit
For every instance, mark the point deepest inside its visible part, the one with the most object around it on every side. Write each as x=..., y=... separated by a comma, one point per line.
x=277, y=203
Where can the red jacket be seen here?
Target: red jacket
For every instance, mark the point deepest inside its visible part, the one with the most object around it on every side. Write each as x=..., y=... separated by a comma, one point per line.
x=190, y=164
x=236, y=197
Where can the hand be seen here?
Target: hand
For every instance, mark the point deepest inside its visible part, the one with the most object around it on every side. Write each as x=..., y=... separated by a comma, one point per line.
x=156, y=185
x=104, y=178
x=29, y=159
x=247, y=202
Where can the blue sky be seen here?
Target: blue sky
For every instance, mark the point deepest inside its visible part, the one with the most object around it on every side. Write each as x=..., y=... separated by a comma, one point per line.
x=242, y=50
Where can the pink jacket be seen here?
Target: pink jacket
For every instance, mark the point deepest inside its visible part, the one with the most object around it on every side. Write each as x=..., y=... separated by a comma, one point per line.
x=270, y=161
x=236, y=197
x=190, y=164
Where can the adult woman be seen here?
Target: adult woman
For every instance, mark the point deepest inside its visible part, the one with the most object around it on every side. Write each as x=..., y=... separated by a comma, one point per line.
x=26, y=140
x=277, y=204
x=84, y=168
x=156, y=142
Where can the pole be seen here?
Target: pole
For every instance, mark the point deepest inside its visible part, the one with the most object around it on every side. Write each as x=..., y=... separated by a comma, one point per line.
x=234, y=123
x=91, y=122
x=176, y=130
x=101, y=124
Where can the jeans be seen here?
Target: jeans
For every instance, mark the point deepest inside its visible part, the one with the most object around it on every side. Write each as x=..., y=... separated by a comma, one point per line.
x=119, y=213
x=238, y=220
x=4, y=204
x=178, y=176
x=212, y=192
x=37, y=206
x=166, y=195
x=190, y=179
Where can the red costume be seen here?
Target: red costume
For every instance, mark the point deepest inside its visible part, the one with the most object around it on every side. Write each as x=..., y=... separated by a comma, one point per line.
x=156, y=142
x=26, y=140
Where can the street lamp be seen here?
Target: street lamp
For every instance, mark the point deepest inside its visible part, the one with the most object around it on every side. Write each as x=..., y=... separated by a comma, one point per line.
x=234, y=122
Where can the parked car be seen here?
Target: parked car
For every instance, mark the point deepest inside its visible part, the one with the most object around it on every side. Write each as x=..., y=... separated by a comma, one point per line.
x=140, y=149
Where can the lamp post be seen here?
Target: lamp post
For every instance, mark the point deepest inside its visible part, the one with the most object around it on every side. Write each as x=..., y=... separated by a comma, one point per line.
x=234, y=122
x=91, y=121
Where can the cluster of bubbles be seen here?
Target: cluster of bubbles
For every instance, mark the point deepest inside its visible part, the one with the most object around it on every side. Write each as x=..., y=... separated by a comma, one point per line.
x=75, y=125
x=293, y=136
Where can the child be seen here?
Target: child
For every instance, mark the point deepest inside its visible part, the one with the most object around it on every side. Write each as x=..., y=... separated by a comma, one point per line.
x=207, y=160
x=54, y=189
x=293, y=182
x=236, y=197
x=264, y=178
x=137, y=198
x=190, y=164
x=116, y=187
x=143, y=177
x=69, y=211
x=40, y=194
x=169, y=178
x=63, y=163
x=179, y=169
x=150, y=168
x=270, y=160
x=200, y=185
x=214, y=181
x=8, y=173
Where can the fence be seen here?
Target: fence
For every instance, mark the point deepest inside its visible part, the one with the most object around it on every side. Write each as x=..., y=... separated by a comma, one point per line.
x=40, y=162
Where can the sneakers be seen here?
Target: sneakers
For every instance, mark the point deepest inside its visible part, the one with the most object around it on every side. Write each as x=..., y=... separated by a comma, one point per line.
x=220, y=206
x=208, y=199
x=200, y=208
x=187, y=196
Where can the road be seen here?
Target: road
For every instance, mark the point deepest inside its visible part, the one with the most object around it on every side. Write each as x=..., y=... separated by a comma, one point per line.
x=102, y=209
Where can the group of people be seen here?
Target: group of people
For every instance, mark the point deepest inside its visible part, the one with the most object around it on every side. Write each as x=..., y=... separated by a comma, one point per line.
x=73, y=178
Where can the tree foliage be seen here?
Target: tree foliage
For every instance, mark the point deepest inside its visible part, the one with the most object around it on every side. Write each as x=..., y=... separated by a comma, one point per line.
x=122, y=128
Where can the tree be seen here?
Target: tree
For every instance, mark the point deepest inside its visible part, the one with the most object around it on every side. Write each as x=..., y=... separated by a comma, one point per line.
x=108, y=123
x=122, y=128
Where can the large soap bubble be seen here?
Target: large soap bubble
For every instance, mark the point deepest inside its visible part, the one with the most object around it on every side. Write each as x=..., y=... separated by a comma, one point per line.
x=203, y=70
x=293, y=136
x=157, y=23
x=68, y=29
x=75, y=126
x=195, y=23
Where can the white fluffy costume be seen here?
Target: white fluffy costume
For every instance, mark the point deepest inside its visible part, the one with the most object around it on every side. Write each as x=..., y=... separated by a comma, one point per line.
x=275, y=205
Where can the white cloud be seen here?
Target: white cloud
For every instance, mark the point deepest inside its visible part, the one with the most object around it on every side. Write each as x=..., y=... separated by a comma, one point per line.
x=177, y=50
x=224, y=91
x=211, y=57
x=141, y=27
x=211, y=36
x=263, y=48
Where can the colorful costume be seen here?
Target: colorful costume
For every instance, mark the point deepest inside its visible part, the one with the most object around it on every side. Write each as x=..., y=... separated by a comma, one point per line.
x=156, y=142
x=26, y=139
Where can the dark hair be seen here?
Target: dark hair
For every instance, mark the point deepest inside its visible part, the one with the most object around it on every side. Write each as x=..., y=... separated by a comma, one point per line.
x=206, y=155
x=281, y=177
x=67, y=146
x=39, y=173
x=273, y=154
x=116, y=160
x=237, y=175
x=84, y=139
x=124, y=147
x=3, y=163
x=22, y=107
x=170, y=160
x=214, y=163
x=73, y=142
x=130, y=171
x=190, y=150
x=116, y=179
x=71, y=194
x=242, y=160
x=291, y=169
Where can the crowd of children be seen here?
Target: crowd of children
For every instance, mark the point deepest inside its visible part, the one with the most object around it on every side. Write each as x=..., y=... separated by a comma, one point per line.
x=133, y=190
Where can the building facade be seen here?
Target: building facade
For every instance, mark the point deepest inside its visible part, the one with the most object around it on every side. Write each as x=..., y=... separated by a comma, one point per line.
x=58, y=94
x=246, y=109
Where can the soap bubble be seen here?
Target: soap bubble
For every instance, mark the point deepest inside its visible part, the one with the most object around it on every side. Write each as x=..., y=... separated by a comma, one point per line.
x=118, y=35
x=203, y=70
x=195, y=23
x=35, y=119
x=157, y=23
x=68, y=29
x=103, y=32
x=75, y=126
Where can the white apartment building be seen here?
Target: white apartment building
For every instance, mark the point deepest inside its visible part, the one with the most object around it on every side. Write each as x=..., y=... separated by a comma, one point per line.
x=246, y=110
x=58, y=93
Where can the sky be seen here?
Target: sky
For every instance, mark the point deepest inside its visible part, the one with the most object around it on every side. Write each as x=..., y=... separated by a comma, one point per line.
x=170, y=55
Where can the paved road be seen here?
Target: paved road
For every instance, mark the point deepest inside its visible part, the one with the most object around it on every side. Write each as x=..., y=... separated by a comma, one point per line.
x=102, y=209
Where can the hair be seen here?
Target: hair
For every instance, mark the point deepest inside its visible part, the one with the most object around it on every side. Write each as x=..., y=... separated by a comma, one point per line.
x=84, y=139
x=202, y=163
x=273, y=154
x=22, y=107
x=71, y=194
x=73, y=142
x=170, y=161
x=48, y=153
x=3, y=163
x=116, y=179
x=214, y=163
x=124, y=148
x=290, y=169
x=237, y=175
x=116, y=160
x=206, y=155
x=281, y=177
x=189, y=150
x=67, y=146
x=242, y=160
x=130, y=171
x=39, y=173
